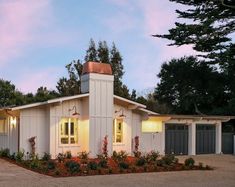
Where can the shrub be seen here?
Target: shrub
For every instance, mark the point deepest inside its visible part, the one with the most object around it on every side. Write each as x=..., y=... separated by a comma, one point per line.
x=51, y=165
x=92, y=165
x=4, y=152
x=105, y=147
x=141, y=161
x=13, y=156
x=137, y=154
x=152, y=156
x=160, y=162
x=189, y=162
x=34, y=164
x=103, y=163
x=83, y=155
x=120, y=156
x=19, y=156
x=60, y=157
x=73, y=167
x=68, y=155
x=168, y=159
x=46, y=157
x=200, y=165
x=123, y=165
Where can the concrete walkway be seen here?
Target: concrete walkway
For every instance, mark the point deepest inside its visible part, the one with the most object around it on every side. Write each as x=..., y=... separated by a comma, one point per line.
x=223, y=175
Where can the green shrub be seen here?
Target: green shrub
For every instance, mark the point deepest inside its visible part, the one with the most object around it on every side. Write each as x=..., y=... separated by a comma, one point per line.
x=137, y=154
x=200, y=165
x=68, y=155
x=5, y=152
x=46, y=157
x=189, y=162
x=83, y=155
x=73, y=167
x=92, y=165
x=57, y=172
x=60, y=157
x=103, y=163
x=152, y=156
x=34, y=164
x=168, y=159
x=123, y=165
x=19, y=156
x=119, y=156
x=13, y=156
x=141, y=161
x=51, y=165
x=160, y=162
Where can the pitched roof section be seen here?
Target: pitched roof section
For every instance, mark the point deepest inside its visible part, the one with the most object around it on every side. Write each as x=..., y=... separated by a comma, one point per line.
x=97, y=67
x=61, y=99
x=127, y=102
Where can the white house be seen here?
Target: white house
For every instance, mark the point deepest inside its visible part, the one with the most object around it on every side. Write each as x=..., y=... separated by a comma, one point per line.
x=80, y=123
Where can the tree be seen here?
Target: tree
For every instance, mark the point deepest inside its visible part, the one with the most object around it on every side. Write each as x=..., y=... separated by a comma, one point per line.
x=190, y=86
x=72, y=84
x=43, y=94
x=209, y=27
x=9, y=95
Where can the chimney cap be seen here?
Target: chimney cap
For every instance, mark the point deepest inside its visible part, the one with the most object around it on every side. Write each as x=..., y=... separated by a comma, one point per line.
x=97, y=67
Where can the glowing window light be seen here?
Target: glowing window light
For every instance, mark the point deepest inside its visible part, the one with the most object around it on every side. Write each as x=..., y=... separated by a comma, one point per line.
x=13, y=121
x=151, y=126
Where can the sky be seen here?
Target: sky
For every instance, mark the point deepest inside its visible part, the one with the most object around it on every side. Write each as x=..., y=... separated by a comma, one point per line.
x=39, y=37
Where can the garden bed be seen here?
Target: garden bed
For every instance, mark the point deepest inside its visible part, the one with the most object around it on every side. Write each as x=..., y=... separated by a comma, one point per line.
x=119, y=163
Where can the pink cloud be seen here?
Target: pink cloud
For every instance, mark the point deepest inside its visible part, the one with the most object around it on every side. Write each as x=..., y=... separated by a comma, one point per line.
x=30, y=81
x=19, y=19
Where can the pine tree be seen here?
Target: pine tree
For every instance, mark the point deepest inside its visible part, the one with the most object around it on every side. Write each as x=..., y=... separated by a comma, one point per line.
x=103, y=52
x=91, y=52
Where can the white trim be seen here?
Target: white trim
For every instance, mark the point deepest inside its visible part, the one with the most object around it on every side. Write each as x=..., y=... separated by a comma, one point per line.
x=148, y=111
x=129, y=101
x=50, y=101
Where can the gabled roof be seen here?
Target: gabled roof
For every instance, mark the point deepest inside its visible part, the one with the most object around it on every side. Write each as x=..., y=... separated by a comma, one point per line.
x=122, y=100
x=61, y=99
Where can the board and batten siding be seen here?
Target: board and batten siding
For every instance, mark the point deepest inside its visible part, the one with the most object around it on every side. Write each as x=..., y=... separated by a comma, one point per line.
x=10, y=138
x=61, y=110
x=34, y=122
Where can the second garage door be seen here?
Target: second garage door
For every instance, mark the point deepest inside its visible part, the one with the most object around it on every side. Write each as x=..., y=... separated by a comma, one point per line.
x=176, y=139
x=205, y=139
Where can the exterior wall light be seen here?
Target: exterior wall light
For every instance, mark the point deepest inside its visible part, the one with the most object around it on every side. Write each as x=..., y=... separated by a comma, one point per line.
x=122, y=115
x=75, y=113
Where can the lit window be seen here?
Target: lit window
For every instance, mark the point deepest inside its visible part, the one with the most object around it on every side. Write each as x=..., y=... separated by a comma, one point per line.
x=118, y=131
x=3, y=128
x=69, y=131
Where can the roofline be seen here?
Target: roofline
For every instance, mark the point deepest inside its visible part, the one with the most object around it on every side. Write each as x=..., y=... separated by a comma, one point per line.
x=129, y=101
x=148, y=111
x=61, y=99
x=201, y=117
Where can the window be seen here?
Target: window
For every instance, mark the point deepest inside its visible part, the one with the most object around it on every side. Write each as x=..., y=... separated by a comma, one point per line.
x=3, y=128
x=69, y=131
x=118, y=131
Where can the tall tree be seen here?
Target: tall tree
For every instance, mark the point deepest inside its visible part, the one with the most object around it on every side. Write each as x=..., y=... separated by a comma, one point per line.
x=209, y=27
x=190, y=86
x=91, y=53
x=103, y=52
x=43, y=94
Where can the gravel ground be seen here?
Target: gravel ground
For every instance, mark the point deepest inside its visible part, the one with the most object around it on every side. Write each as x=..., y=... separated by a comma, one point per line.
x=223, y=175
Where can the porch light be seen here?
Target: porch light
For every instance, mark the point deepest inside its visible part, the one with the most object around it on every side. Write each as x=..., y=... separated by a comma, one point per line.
x=122, y=114
x=75, y=111
x=151, y=126
x=13, y=121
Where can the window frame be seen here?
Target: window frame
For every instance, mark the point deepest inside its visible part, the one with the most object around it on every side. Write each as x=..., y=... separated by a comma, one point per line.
x=68, y=120
x=115, y=123
x=5, y=122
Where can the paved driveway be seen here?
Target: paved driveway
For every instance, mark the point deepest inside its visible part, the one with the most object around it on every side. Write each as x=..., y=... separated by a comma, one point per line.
x=223, y=175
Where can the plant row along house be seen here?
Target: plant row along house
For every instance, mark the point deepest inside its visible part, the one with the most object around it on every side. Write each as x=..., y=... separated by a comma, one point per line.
x=82, y=165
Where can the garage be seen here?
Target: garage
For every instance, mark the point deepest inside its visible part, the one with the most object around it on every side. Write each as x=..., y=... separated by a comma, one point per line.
x=176, y=139
x=205, y=139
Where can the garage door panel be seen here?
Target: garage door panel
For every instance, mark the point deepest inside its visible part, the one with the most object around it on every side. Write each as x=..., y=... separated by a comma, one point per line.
x=205, y=139
x=176, y=139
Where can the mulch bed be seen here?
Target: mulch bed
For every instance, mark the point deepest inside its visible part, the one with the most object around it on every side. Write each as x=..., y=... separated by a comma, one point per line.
x=113, y=168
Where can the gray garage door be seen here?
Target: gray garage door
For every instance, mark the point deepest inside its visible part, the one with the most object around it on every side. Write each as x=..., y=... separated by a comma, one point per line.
x=176, y=139
x=227, y=142
x=205, y=139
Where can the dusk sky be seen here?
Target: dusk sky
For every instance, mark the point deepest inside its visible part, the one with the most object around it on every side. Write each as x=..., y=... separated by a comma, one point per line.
x=39, y=37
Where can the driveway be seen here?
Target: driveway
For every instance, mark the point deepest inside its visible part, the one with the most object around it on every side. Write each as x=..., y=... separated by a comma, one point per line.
x=223, y=175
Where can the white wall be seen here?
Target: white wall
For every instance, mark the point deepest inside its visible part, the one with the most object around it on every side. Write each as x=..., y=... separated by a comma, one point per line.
x=34, y=122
